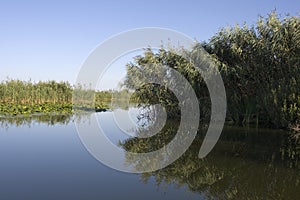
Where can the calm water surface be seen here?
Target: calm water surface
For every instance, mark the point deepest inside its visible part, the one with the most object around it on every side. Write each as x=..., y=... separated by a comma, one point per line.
x=42, y=157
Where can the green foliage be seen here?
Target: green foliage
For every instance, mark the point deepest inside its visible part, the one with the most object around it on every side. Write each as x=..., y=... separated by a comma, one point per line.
x=261, y=70
x=22, y=92
x=260, y=67
x=25, y=97
x=26, y=109
x=149, y=65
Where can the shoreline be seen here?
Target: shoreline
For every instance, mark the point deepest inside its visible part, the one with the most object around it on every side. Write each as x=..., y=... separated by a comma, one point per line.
x=11, y=109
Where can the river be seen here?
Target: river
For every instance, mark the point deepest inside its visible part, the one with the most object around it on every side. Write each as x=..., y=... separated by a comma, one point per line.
x=43, y=157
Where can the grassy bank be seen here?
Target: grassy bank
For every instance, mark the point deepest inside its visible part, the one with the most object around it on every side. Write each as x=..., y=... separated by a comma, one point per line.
x=25, y=98
x=25, y=109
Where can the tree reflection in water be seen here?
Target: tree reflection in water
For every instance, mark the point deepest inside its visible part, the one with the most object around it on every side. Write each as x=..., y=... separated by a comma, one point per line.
x=245, y=164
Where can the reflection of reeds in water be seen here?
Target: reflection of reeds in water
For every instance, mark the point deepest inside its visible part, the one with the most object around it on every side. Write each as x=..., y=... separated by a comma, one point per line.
x=245, y=164
x=50, y=120
x=47, y=119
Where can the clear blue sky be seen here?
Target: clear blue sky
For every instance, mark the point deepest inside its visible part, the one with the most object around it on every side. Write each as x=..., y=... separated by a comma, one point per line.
x=49, y=40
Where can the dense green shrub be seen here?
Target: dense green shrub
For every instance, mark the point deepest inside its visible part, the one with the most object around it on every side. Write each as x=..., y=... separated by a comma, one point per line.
x=261, y=70
x=260, y=67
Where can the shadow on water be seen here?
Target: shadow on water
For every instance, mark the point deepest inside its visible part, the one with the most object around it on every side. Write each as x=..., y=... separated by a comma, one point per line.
x=245, y=164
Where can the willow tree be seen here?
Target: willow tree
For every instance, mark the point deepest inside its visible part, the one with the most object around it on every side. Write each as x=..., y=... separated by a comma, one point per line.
x=259, y=64
x=151, y=64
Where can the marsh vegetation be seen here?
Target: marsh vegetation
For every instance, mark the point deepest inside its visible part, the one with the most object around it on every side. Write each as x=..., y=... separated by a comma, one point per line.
x=259, y=65
x=26, y=97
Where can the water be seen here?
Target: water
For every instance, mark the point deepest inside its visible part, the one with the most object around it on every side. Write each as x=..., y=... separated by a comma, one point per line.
x=43, y=158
